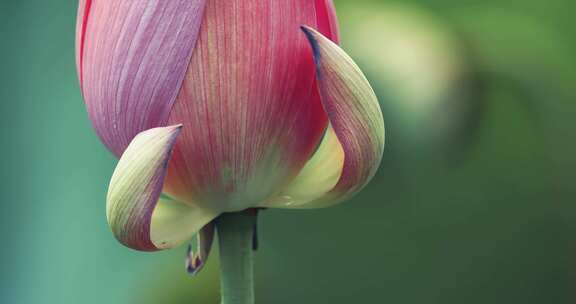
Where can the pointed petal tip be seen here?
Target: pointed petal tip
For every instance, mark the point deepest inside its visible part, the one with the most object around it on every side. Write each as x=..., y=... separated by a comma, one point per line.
x=193, y=262
x=174, y=128
x=311, y=35
x=306, y=29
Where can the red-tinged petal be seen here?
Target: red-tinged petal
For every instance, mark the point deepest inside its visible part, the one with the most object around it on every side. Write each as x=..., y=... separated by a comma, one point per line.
x=327, y=20
x=133, y=56
x=352, y=148
x=81, y=21
x=252, y=113
x=138, y=217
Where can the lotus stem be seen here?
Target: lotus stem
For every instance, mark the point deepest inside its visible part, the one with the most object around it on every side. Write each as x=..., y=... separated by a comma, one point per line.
x=235, y=235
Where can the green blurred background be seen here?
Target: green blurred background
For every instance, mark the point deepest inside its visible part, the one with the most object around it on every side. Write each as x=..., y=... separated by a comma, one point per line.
x=474, y=202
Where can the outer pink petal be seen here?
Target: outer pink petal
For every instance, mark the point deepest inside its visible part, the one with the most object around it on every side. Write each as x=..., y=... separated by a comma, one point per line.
x=81, y=20
x=251, y=111
x=327, y=20
x=132, y=57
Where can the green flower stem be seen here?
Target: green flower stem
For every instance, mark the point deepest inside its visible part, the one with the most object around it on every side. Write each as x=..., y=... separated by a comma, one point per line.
x=235, y=235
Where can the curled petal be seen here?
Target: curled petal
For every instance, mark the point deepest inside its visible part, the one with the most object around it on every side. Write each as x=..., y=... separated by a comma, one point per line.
x=132, y=57
x=353, y=149
x=138, y=217
x=196, y=261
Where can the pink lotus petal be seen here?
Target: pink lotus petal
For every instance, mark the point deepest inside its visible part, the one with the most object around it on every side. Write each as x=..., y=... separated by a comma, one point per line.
x=249, y=103
x=81, y=21
x=132, y=57
x=327, y=20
